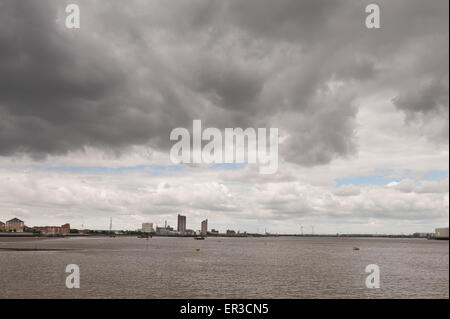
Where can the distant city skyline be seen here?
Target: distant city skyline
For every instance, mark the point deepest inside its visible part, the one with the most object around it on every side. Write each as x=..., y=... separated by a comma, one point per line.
x=202, y=230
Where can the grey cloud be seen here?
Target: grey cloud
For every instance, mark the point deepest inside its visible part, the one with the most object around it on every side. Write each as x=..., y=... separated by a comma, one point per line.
x=49, y=89
x=405, y=186
x=285, y=20
x=349, y=190
x=422, y=187
x=432, y=187
x=430, y=97
x=136, y=70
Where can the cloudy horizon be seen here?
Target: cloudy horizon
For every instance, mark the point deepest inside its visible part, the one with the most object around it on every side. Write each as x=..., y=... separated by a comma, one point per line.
x=362, y=114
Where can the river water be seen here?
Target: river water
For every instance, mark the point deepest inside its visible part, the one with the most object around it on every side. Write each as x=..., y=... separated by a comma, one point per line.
x=281, y=267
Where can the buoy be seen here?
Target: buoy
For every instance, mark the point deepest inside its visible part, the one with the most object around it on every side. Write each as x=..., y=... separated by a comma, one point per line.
x=197, y=249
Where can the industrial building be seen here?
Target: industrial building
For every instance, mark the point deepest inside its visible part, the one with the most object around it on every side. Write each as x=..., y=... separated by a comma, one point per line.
x=166, y=230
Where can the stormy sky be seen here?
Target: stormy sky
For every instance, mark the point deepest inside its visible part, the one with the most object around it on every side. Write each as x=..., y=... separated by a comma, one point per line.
x=363, y=114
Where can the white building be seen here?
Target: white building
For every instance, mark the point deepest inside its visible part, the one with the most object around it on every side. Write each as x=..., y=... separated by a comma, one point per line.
x=147, y=228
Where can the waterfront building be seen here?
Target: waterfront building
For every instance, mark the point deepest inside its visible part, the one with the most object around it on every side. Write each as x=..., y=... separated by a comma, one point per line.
x=422, y=235
x=231, y=233
x=53, y=230
x=147, y=228
x=181, y=224
x=2, y=226
x=190, y=232
x=166, y=230
x=14, y=225
x=441, y=233
x=214, y=232
x=204, y=228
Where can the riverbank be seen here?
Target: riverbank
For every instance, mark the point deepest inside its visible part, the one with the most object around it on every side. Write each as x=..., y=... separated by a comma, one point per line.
x=23, y=239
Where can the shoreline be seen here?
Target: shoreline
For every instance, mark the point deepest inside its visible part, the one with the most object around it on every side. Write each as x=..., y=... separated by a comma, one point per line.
x=23, y=239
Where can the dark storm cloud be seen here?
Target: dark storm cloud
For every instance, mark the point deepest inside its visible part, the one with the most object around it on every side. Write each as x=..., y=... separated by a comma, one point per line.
x=136, y=70
x=62, y=90
x=48, y=88
x=431, y=97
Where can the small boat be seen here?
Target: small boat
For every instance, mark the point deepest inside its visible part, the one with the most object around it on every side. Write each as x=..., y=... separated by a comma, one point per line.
x=355, y=248
x=199, y=238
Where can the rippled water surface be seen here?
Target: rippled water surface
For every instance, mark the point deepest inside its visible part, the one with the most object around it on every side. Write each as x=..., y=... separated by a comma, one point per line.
x=226, y=268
